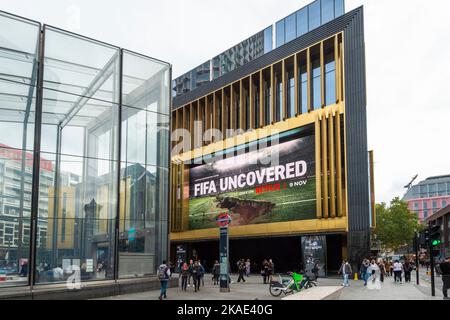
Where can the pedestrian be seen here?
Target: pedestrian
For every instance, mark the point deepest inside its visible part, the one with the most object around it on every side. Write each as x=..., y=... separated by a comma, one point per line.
x=190, y=272
x=216, y=272
x=445, y=274
x=346, y=270
x=315, y=270
x=247, y=268
x=202, y=273
x=373, y=272
x=391, y=268
x=270, y=270
x=407, y=270
x=382, y=267
x=184, y=276
x=264, y=270
x=197, y=275
x=398, y=269
x=241, y=270
x=163, y=276
x=363, y=271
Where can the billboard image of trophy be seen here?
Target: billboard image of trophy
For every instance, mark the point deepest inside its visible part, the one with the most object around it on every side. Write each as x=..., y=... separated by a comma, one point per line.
x=273, y=183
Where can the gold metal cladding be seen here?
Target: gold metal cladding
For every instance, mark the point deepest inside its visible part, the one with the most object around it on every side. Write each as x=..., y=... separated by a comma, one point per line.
x=318, y=169
x=331, y=153
x=285, y=91
x=296, y=98
x=277, y=228
x=322, y=74
x=272, y=94
x=252, y=103
x=338, y=164
x=309, y=76
x=325, y=166
x=262, y=102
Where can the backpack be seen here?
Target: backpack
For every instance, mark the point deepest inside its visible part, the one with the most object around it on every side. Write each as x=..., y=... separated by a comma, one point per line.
x=162, y=272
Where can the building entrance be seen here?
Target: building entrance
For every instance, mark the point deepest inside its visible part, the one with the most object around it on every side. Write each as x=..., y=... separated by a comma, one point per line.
x=285, y=252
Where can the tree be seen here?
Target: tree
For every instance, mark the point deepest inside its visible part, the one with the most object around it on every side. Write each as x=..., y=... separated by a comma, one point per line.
x=396, y=225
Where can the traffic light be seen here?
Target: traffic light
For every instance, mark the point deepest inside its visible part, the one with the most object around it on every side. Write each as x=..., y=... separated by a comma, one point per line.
x=435, y=236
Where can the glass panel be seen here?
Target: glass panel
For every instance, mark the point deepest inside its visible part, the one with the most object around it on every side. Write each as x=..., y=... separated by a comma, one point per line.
x=80, y=66
x=302, y=22
x=280, y=40
x=291, y=100
x=330, y=79
x=290, y=28
x=314, y=15
x=338, y=8
x=316, y=84
x=303, y=89
x=327, y=10
x=18, y=75
x=268, y=39
x=146, y=82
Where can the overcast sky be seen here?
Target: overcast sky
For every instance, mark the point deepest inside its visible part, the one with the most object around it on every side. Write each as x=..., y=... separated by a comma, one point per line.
x=407, y=51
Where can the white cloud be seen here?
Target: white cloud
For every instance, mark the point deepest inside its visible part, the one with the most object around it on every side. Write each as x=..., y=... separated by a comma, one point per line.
x=408, y=65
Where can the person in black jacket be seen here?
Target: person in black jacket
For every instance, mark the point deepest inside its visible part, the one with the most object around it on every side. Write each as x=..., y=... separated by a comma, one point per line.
x=445, y=269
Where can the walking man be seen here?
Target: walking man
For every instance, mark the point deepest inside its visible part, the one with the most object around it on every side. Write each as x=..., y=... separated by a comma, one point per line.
x=163, y=276
x=216, y=272
x=190, y=272
x=247, y=268
x=407, y=269
x=363, y=270
x=398, y=269
x=445, y=269
x=346, y=270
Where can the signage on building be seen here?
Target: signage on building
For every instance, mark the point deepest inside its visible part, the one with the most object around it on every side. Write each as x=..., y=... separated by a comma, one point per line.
x=274, y=182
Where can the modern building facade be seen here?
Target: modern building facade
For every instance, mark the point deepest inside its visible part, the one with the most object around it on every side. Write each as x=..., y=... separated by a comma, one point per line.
x=442, y=218
x=279, y=141
x=429, y=196
x=84, y=158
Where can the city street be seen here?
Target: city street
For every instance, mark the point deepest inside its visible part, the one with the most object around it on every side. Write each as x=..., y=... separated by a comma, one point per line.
x=253, y=289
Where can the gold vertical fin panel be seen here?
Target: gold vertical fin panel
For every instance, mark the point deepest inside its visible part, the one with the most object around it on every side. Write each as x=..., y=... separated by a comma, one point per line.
x=296, y=93
x=309, y=76
x=325, y=166
x=331, y=165
x=232, y=108
x=214, y=112
x=224, y=115
x=318, y=169
x=338, y=163
x=336, y=68
x=262, y=102
x=272, y=91
x=322, y=74
x=252, y=103
x=284, y=91
x=242, y=110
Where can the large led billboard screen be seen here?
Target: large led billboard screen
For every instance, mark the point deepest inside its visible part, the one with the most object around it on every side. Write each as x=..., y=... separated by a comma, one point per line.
x=271, y=183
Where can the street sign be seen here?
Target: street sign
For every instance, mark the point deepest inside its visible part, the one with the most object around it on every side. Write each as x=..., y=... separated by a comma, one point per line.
x=223, y=220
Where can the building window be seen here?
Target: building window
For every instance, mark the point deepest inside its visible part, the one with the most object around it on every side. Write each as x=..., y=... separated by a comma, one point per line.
x=432, y=190
x=444, y=203
x=314, y=15
x=268, y=45
x=425, y=214
x=257, y=106
x=316, y=85
x=279, y=100
x=330, y=78
x=302, y=22
x=280, y=32
x=290, y=28
x=338, y=8
x=416, y=205
x=268, y=103
x=425, y=205
x=327, y=11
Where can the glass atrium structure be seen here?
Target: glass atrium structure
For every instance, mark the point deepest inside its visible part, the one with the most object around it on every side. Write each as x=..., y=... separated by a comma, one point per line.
x=84, y=148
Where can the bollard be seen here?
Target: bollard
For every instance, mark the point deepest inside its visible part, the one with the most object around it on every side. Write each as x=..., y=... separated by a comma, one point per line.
x=356, y=277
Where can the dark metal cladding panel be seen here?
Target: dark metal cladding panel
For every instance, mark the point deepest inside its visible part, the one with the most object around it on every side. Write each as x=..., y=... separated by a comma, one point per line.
x=327, y=30
x=356, y=134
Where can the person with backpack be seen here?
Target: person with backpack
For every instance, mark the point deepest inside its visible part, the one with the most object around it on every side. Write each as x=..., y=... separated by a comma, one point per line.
x=197, y=273
x=163, y=276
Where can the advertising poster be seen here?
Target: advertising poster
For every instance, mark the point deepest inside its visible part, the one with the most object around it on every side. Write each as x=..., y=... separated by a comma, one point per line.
x=254, y=190
x=314, y=254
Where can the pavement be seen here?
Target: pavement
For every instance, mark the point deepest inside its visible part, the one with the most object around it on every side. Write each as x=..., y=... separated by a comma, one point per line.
x=254, y=289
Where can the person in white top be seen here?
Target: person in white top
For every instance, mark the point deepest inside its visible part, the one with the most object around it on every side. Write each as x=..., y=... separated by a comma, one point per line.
x=373, y=271
x=398, y=269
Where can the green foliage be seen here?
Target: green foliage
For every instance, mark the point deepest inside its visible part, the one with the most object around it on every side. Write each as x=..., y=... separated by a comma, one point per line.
x=396, y=224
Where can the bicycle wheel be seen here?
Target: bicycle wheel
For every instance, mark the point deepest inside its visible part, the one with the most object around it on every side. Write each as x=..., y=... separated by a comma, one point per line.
x=275, y=291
